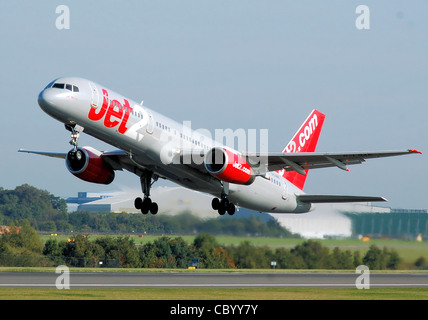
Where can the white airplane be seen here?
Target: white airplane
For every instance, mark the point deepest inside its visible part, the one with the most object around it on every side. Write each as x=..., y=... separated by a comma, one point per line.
x=153, y=146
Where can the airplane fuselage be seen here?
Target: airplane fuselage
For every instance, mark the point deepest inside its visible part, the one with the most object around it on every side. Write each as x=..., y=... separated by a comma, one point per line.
x=154, y=142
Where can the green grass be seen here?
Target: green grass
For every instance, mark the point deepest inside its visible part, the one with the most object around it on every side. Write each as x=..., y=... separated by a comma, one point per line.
x=215, y=294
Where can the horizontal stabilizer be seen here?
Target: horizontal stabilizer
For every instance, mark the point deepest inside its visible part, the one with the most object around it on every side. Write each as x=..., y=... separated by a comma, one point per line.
x=336, y=199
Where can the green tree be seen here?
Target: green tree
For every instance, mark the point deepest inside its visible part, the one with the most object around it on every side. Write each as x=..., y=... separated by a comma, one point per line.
x=80, y=252
x=166, y=252
x=23, y=238
x=313, y=254
x=210, y=253
x=357, y=260
x=341, y=259
x=374, y=258
x=128, y=253
x=21, y=246
x=393, y=260
x=248, y=256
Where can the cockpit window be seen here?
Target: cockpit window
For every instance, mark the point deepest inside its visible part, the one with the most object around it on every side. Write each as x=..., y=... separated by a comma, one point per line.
x=58, y=85
x=65, y=86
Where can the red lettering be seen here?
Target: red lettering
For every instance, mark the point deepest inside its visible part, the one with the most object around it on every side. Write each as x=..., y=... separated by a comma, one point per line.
x=115, y=110
x=93, y=115
x=128, y=110
x=114, y=114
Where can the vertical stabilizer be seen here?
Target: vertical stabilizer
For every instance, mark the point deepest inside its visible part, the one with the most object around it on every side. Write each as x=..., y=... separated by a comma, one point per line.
x=305, y=140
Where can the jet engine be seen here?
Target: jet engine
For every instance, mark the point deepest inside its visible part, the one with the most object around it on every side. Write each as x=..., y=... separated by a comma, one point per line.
x=228, y=166
x=86, y=164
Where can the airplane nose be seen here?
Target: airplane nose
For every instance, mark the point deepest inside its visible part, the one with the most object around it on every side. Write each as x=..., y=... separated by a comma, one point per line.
x=47, y=100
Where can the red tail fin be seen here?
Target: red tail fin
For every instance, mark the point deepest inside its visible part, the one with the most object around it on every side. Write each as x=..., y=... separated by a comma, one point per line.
x=305, y=140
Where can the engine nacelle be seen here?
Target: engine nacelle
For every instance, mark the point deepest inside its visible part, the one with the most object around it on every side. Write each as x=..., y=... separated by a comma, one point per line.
x=228, y=166
x=87, y=164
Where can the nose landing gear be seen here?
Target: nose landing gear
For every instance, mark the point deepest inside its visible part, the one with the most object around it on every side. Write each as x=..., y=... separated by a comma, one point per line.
x=146, y=204
x=75, y=132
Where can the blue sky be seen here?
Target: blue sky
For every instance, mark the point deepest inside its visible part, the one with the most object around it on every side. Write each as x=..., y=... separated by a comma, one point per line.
x=228, y=64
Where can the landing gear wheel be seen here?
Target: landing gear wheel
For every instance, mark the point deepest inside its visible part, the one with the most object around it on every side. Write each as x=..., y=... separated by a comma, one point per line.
x=215, y=204
x=138, y=203
x=230, y=208
x=221, y=211
x=223, y=206
x=154, y=208
x=145, y=206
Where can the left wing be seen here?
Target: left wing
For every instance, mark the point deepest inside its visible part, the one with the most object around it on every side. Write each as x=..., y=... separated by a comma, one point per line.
x=301, y=161
x=59, y=155
x=117, y=159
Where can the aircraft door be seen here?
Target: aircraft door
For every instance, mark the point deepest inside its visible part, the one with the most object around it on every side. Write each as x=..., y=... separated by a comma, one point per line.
x=94, y=95
x=150, y=123
x=284, y=190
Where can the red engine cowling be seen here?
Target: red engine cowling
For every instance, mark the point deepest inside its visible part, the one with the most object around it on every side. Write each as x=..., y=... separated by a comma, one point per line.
x=228, y=166
x=86, y=164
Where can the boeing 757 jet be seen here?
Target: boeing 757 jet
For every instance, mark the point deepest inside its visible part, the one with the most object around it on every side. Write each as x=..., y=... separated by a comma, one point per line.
x=153, y=146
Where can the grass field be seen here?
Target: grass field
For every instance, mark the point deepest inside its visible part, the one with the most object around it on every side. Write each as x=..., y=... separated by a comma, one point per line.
x=215, y=294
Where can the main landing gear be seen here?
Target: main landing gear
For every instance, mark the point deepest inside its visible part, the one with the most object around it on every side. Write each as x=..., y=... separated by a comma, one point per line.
x=146, y=204
x=223, y=205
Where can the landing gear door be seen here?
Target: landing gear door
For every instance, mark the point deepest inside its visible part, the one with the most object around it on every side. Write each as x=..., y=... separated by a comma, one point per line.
x=94, y=95
x=150, y=123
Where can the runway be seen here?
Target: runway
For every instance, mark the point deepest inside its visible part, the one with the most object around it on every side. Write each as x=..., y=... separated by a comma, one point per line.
x=210, y=280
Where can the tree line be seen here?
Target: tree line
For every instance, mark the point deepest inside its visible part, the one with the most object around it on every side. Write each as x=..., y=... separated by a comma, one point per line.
x=24, y=248
x=48, y=213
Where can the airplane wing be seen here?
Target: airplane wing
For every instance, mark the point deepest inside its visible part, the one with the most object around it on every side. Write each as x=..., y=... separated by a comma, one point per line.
x=301, y=161
x=260, y=163
x=59, y=155
x=117, y=159
x=336, y=198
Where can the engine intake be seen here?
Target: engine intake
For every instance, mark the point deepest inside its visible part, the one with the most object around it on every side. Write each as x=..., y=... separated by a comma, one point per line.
x=87, y=164
x=228, y=166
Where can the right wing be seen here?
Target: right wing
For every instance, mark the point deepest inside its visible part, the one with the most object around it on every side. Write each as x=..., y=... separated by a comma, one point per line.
x=301, y=161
